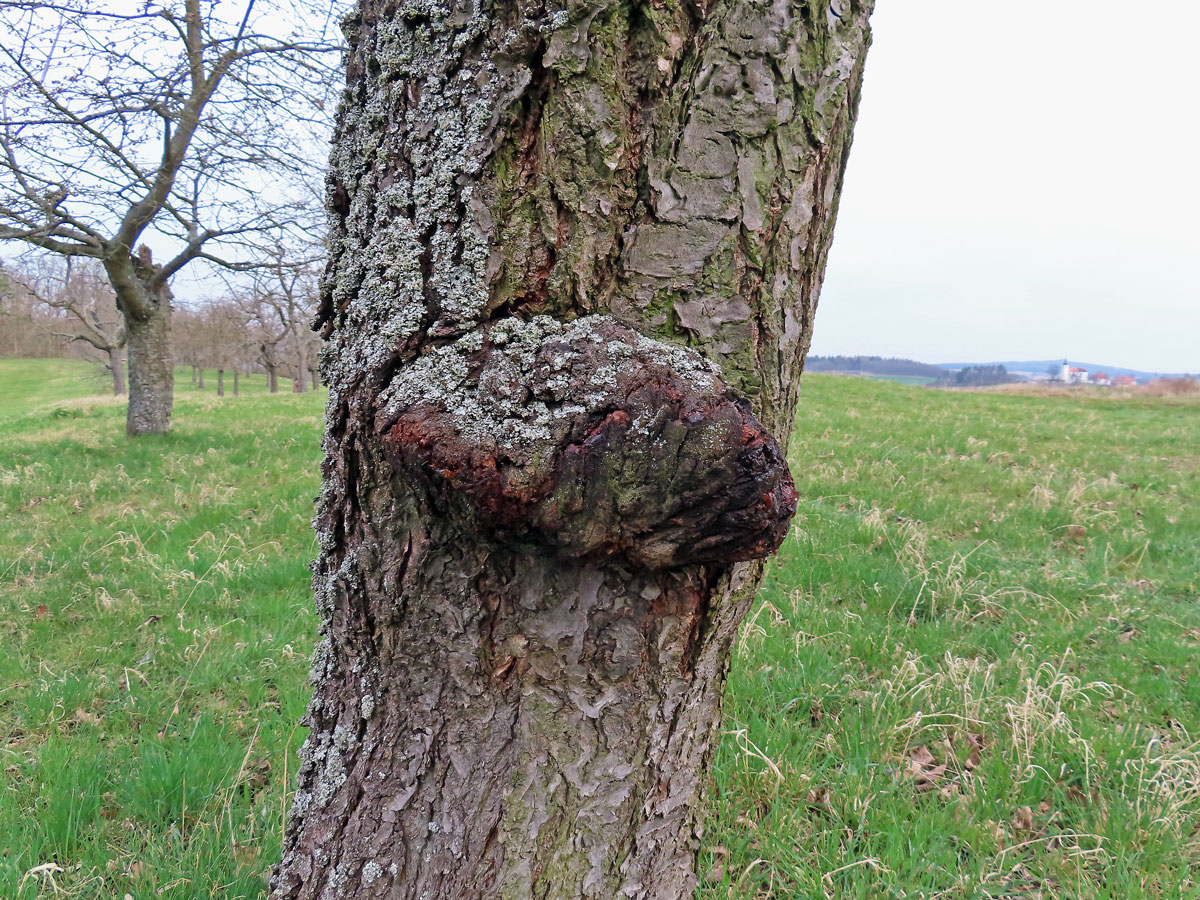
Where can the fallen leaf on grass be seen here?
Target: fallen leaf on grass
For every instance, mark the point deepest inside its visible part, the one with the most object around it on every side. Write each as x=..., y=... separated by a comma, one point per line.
x=1022, y=819
x=921, y=766
x=245, y=854
x=1076, y=794
x=84, y=717
x=716, y=872
x=975, y=756
x=1000, y=835
x=818, y=797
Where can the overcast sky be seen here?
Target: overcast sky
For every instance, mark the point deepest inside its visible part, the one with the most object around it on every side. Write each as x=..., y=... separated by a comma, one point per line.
x=1024, y=184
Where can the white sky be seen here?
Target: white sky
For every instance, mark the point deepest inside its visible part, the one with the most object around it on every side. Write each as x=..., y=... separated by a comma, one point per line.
x=1024, y=184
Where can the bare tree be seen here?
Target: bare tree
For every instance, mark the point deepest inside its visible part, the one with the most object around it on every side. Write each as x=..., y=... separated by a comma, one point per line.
x=281, y=304
x=173, y=125
x=575, y=256
x=187, y=340
x=272, y=333
x=227, y=341
x=28, y=328
x=82, y=292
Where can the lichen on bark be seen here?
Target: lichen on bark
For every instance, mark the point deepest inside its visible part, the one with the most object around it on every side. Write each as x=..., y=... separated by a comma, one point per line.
x=574, y=259
x=592, y=441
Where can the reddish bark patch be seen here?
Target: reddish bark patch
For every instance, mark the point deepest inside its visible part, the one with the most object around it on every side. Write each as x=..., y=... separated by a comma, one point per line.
x=663, y=475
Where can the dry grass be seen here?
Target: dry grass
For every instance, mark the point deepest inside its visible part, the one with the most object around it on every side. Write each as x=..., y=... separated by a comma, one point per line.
x=1170, y=387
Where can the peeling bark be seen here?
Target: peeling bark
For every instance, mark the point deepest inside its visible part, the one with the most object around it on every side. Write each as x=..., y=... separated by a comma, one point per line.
x=574, y=260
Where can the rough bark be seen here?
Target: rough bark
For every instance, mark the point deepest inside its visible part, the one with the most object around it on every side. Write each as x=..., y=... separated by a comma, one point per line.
x=220, y=382
x=575, y=257
x=148, y=350
x=235, y=382
x=272, y=380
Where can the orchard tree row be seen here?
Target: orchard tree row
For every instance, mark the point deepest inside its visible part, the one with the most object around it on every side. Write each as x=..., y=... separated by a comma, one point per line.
x=50, y=309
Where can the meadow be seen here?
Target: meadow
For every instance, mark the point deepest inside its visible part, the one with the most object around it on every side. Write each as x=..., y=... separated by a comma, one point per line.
x=972, y=672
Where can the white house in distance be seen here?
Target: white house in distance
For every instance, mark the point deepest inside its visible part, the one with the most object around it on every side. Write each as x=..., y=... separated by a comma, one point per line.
x=1073, y=374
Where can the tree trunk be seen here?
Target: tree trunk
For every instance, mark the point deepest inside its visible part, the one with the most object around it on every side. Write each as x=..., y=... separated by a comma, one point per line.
x=200, y=383
x=193, y=376
x=220, y=382
x=116, y=365
x=298, y=385
x=574, y=263
x=235, y=382
x=151, y=369
x=272, y=380
x=314, y=379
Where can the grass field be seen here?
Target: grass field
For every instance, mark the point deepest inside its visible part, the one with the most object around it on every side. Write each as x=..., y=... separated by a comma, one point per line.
x=903, y=379
x=27, y=384
x=973, y=671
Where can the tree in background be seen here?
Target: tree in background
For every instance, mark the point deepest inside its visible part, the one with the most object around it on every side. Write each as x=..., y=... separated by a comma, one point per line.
x=173, y=125
x=229, y=349
x=81, y=291
x=279, y=306
x=575, y=259
x=27, y=326
x=981, y=376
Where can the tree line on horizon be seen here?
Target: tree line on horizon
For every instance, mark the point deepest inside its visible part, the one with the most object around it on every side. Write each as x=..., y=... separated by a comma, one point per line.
x=48, y=310
x=874, y=365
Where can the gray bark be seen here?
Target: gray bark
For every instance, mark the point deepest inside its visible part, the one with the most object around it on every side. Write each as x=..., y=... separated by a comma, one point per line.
x=151, y=369
x=575, y=258
x=116, y=366
x=235, y=382
x=220, y=382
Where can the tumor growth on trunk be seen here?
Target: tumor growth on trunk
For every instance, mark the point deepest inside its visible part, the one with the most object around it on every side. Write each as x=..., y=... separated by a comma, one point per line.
x=575, y=255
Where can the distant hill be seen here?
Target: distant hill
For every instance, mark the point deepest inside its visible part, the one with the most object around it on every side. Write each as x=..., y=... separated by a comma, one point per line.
x=873, y=365
x=1039, y=366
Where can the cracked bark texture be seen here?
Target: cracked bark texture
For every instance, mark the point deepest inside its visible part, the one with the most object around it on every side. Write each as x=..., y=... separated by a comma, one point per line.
x=148, y=350
x=575, y=255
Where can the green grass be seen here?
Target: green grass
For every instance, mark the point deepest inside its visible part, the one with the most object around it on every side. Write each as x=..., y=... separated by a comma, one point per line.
x=247, y=384
x=157, y=625
x=30, y=384
x=904, y=379
x=972, y=672
x=974, y=669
